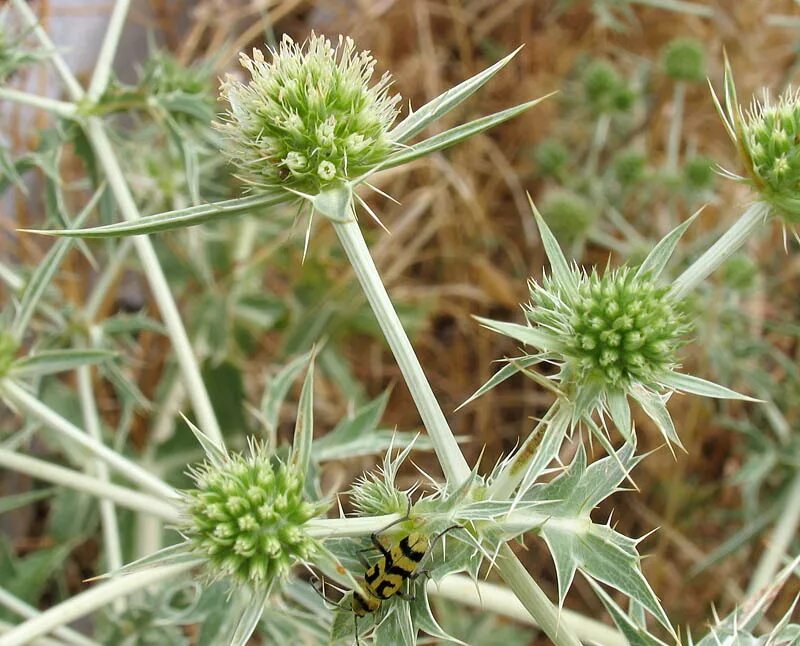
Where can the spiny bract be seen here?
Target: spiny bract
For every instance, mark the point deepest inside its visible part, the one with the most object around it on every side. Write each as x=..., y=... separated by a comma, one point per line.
x=617, y=329
x=308, y=118
x=247, y=517
x=770, y=140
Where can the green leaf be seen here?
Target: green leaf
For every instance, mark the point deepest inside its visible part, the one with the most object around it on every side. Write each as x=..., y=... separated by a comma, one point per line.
x=50, y=362
x=455, y=135
x=523, y=333
x=277, y=389
x=620, y=411
x=249, y=619
x=657, y=259
x=376, y=441
x=226, y=389
x=509, y=370
x=9, y=503
x=417, y=121
x=698, y=386
x=178, y=219
x=396, y=628
x=216, y=454
x=304, y=426
x=635, y=634
x=335, y=203
x=45, y=271
x=559, y=269
x=655, y=408
x=422, y=617
x=363, y=422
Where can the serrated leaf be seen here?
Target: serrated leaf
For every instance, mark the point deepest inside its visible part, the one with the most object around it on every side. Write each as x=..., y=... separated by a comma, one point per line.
x=456, y=135
x=350, y=431
x=653, y=405
x=50, y=362
x=559, y=268
x=396, y=628
x=698, y=386
x=375, y=442
x=216, y=454
x=509, y=370
x=435, y=109
x=277, y=389
x=249, y=619
x=620, y=411
x=657, y=259
x=522, y=333
x=44, y=272
x=177, y=219
x=422, y=617
x=304, y=426
x=635, y=634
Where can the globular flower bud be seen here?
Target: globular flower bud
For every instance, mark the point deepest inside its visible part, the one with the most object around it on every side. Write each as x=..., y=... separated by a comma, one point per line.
x=616, y=329
x=308, y=118
x=568, y=214
x=629, y=167
x=698, y=173
x=684, y=60
x=247, y=517
x=770, y=142
x=552, y=156
x=605, y=90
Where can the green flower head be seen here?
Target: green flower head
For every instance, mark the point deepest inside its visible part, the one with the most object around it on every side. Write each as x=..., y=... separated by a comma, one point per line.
x=684, y=60
x=568, y=214
x=308, y=118
x=616, y=329
x=768, y=139
x=247, y=517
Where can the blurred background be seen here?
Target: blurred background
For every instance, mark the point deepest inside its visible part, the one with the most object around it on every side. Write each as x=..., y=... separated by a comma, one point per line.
x=626, y=149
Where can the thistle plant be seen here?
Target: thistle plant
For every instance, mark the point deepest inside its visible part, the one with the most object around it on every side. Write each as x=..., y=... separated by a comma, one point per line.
x=253, y=527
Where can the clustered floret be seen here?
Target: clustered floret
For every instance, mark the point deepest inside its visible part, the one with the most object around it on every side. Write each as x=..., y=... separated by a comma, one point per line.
x=308, y=118
x=247, y=517
x=617, y=329
x=771, y=143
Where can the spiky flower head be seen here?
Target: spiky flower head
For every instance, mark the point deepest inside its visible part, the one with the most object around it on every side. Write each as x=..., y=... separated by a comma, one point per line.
x=685, y=60
x=698, y=173
x=630, y=167
x=247, y=517
x=568, y=214
x=374, y=494
x=617, y=329
x=605, y=90
x=552, y=156
x=308, y=118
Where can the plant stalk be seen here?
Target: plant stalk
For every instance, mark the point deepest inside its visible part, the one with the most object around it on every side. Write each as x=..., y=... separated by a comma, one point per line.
x=676, y=126
x=19, y=607
x=108, y=514
x=779, y=542
x=499, y=600
x=60, y=108
x=78, y=481
x=454, y=466
x=87, y=602
x=108, y=50
x=195, y=387
x=755, y=215
x=21, y=398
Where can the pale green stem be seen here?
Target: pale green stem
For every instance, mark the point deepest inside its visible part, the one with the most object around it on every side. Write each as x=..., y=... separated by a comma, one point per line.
x=323, y=528
x=11, y=278
x=87, y=602
x=108, y=514
x=534, y=599
x=680, y=6
x=19, y=607
x=26, y=402
x=60, y=108
x=453, y=464
x=195, y=387
x=152, y=268
x=117, y=261
x=515, y=471
x=78, y=481
x=105, y=59
x=676, y=126
x=73, y=87
x=500, y=600
x=41, y=641
x=598, y=143
x=730, y=242
x=779, y=542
